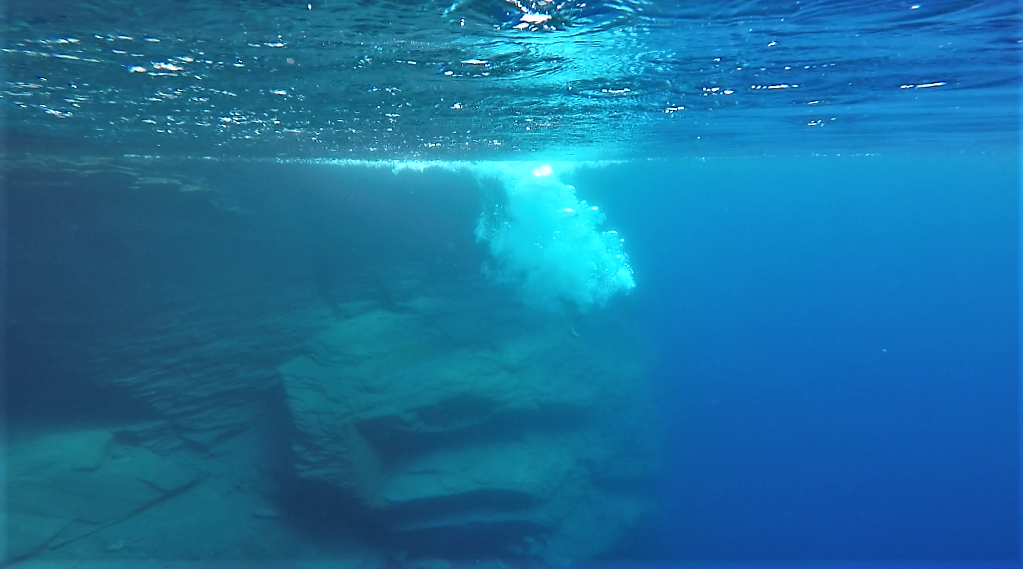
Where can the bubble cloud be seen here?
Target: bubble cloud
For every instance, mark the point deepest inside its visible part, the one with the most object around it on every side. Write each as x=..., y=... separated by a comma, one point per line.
x=545, y=240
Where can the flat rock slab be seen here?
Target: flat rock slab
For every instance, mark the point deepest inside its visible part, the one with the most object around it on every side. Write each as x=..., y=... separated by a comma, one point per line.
x=65, y=485
x=518, y=473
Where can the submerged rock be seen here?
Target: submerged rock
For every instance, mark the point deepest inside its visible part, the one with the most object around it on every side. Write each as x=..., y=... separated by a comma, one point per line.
x=66, y=485
x=469, y=429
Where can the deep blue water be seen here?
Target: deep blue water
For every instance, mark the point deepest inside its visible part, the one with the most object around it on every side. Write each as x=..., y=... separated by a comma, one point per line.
x=819, y=203
x=838, y=344
x=832, y=341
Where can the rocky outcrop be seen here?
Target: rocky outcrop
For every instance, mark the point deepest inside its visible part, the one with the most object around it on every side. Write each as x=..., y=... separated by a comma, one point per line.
x=465, y=427
x=185, y=318
x=154, y=295
x=206, y=373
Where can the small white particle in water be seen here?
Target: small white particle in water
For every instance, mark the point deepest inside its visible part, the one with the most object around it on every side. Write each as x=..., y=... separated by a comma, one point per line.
x=534, y=18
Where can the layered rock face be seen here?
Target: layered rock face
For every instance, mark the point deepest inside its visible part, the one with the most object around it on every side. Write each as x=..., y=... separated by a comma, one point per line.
x=157, y=329
x=465, y=427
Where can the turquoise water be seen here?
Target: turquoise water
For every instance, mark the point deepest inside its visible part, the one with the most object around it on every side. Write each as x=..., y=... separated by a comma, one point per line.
x=512, y=284
x=619, y=79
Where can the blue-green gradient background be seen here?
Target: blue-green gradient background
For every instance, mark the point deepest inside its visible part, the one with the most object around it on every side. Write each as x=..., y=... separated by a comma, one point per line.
x=838, y=352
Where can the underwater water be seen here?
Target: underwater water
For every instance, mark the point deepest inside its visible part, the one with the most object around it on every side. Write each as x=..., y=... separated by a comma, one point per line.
x=499, y=283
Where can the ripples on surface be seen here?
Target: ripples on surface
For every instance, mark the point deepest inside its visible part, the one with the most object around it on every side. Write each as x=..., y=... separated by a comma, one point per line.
x=479, y=78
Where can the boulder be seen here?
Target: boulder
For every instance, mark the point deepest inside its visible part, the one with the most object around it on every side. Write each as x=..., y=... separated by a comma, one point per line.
x=467, y=428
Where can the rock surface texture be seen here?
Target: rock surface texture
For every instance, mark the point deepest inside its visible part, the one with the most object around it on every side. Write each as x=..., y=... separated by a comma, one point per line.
x=65, y=486
x=470, y=429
